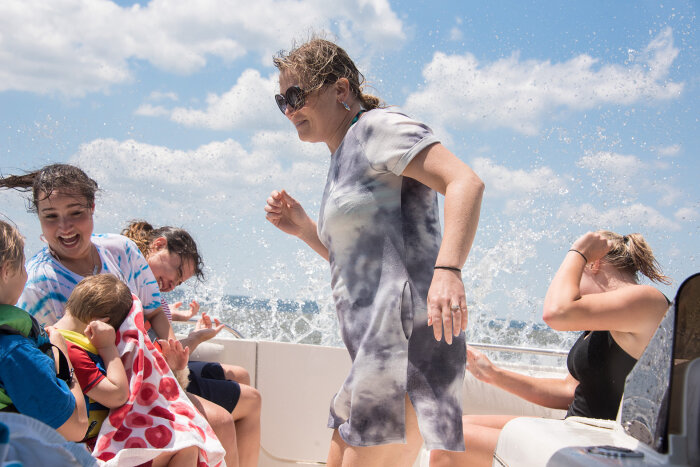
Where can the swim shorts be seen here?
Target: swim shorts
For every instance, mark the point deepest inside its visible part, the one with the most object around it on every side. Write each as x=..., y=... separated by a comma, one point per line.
x=207, y=380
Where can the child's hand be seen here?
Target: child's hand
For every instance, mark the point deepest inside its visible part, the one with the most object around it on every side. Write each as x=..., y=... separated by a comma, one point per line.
x=175, y=355
x=56, y=339
x=205, y=330
x=179, y=314
x=100, y=334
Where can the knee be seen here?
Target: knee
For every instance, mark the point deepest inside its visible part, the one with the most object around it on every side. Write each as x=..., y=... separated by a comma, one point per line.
x=440, y=458
x=254, y=397
x=220, y=419
x=244, y=376
x=237, y=373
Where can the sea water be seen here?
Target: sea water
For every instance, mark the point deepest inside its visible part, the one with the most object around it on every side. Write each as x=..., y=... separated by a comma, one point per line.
x=313, y=321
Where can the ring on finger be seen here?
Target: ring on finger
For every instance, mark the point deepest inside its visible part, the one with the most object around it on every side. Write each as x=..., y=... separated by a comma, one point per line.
x=454, y=307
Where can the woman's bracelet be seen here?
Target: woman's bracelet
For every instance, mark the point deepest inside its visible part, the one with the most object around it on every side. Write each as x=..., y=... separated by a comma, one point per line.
x=449, y=268
x=582, y=255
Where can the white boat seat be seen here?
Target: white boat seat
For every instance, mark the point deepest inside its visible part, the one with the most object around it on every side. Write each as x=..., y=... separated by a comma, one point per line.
x=655, y=433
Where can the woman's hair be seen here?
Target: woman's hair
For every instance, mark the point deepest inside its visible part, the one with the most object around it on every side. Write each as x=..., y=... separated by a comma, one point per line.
x=632, y=254
x=11, y=246
x=67, y=178
x=318, y=62
x=100, y=296
x=179, y=241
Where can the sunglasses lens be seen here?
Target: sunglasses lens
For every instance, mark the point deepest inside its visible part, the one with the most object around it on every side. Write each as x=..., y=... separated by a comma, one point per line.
x=295, y=97
x=281, y=102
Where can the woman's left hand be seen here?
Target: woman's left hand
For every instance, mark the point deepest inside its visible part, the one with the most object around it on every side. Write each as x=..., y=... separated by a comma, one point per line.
x=447, y=305
x=593, y=246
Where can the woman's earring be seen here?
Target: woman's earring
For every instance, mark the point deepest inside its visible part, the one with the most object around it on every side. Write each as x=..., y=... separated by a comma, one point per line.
x=347, y=107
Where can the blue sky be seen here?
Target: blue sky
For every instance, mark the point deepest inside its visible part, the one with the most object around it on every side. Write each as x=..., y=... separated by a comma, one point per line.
x=577, y=115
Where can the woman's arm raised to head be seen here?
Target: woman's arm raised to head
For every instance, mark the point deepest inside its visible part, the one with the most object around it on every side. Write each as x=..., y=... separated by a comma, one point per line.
x=618, y=304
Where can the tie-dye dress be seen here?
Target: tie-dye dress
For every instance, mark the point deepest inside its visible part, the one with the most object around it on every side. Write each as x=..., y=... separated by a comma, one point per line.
x=382, y=232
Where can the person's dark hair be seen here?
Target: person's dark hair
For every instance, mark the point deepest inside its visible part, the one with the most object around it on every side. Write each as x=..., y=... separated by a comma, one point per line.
x=66, y=178
x=179, y=242
x=318, y=62
x=632, y=254
x=100, y=296
x=11, y=246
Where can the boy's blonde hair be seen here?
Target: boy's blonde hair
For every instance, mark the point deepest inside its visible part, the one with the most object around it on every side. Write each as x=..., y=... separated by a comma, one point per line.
x=100, y=296
x=11, y=246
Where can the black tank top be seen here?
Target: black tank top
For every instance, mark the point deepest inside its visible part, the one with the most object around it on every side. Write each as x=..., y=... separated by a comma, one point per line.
x=600, y=366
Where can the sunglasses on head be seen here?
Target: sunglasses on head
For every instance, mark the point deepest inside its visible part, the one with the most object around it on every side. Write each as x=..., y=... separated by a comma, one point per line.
x=292, y=97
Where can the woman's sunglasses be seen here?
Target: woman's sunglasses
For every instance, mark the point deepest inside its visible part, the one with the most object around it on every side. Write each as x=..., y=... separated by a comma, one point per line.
x=293, y=97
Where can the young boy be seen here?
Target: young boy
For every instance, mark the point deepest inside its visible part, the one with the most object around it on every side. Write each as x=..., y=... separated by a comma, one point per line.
x=28, y=380
x=95, y=309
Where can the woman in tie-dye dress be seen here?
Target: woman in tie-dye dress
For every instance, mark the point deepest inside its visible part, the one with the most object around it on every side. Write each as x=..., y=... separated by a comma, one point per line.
x=396, y=280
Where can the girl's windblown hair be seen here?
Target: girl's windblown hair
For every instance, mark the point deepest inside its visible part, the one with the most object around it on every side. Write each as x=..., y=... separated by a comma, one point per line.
x=66, y=178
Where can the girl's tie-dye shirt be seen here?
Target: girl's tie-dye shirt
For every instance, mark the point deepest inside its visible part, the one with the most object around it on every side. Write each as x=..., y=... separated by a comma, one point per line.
x=50, y=283
x=382, y=231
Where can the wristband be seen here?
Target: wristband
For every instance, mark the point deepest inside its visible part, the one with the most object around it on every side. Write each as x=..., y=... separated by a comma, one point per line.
x=582, y=255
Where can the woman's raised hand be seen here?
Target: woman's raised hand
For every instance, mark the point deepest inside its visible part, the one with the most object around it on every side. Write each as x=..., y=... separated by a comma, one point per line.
x=592, y=245
x=285, y=213
x=447, y=305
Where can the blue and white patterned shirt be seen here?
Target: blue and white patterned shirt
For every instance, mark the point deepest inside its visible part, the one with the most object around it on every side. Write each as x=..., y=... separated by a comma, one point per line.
x=50, y=283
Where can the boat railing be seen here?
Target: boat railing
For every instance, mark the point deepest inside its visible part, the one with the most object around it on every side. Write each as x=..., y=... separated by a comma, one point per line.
x=477, y=345
x=514, y=349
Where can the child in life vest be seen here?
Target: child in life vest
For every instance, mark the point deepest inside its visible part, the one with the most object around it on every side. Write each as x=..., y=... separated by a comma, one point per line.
x=29, y=383
x=94, y=311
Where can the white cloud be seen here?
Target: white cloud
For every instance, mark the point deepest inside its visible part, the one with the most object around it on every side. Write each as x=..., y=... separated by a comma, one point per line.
x=504, y=182
x=248, y=104
x=668, y=193
x=74, y=47
x=161, y=96
x=148, y=110
x=224, y=166
x=634, y=216
x=520, y=94
x=216, y=180
x=687, y=215
x=669, y=151
x=611, y=162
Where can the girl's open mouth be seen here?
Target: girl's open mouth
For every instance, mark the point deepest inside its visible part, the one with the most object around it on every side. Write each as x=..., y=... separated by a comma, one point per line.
x=69, y=242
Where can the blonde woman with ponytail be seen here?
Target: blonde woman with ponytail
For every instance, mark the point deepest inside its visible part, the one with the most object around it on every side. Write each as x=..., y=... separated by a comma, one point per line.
x=396, y=280
x=595, y=290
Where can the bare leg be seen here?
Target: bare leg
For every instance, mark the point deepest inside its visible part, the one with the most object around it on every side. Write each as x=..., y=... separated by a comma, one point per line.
x=342, y=454
x=186, y=457
x=236, y=373
x=223, y=425
x=480, y=438
x=247, y=417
